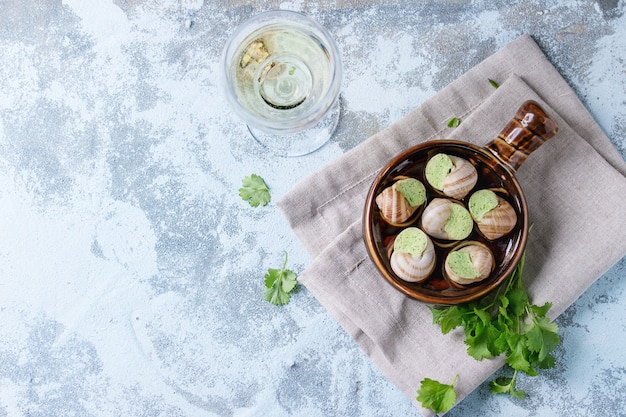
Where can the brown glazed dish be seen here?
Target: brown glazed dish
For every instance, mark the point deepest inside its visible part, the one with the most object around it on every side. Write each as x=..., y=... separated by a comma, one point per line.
x=496, y=164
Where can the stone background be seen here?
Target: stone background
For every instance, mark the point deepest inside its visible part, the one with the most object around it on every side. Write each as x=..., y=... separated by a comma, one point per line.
x=131, y=273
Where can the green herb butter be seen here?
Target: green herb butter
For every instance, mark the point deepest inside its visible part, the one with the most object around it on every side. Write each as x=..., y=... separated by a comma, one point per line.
x=437, y=169
x=481, y=203
x=413, y=190
x=411, y=240
x=460, y=224
x=461, y=264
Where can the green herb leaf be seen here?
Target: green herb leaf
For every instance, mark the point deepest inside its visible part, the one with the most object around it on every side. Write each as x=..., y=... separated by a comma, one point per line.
x=454, y=122
x=482, y=315
x=437, y=396
x=518, y=300
x=500, y=345
x=541, y=310
x=548, y=363
x=438, y=314
x=494, y=84
x=517, y=355
x=500, y=385
x=278, y=284
x=483, y=341
x=479, y=343
x=504, y=385
x=449, y=318
x=541, y=336
x=254, y=191
x=505, y=323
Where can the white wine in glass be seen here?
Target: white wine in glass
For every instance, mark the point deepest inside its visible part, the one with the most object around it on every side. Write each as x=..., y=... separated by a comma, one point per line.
x=282, y=75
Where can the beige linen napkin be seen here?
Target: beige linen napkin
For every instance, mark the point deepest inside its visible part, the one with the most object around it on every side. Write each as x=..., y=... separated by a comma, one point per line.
x=575, y=186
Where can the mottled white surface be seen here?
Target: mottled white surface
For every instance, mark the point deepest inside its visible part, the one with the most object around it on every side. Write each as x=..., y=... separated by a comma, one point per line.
x=131, y=273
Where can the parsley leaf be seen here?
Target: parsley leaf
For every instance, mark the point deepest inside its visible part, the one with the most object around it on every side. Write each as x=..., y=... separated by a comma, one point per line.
x=541, y=335
x=254, y=191
x=481, y=341
x=517, y=356
x=454, y=122
x=278, y=284
x=505, y=323
x=449, y=319
x=504, y=385
x=437, y=396
x=518, y=300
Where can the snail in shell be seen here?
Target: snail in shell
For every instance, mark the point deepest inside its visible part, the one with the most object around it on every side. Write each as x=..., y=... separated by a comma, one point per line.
x=494, y=216
x=398, y=202
x=470, y=262
x=444, y=218
x=453, y=176
x=413, y=255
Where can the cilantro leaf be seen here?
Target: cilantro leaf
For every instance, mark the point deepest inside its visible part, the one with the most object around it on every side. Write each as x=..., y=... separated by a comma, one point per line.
x=504, y=385
x=541, y=310
x=503, y=317
x=254, y=191
x=276, y=296
x=500, y=345
x=548, y=363
x=449, y=318
x=517, y=355
x=481, y=343
x=518, y=300
x=454, y=122
x=505, y=323
x=437, y=396
x=478, y=345
x=438, y=313
x=278, y=284
x=541, y=336
x=271, y=277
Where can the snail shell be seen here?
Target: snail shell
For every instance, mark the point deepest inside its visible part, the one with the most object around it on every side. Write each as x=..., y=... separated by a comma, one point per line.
x=436, y=220
x=499, y=221
x=394, y=207
x=414, y=268
x=459, y=181
x=482, y=262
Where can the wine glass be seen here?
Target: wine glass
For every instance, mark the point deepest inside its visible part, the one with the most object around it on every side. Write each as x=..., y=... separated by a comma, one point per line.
x=282, y=75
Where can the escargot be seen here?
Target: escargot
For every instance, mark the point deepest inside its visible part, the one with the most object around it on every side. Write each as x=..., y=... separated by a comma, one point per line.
x=398, y=202
x=494, y=216
x=447, y=219
x=468, y=263
x=413, y=255
x=453, y=176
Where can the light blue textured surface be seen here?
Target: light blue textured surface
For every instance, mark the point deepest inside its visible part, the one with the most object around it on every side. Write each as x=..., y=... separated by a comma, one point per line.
x=131, y=273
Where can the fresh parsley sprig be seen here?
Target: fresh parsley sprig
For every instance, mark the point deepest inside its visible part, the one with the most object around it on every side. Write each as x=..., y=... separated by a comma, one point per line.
x=505, y=323
x=255, y=191
x=279, y=283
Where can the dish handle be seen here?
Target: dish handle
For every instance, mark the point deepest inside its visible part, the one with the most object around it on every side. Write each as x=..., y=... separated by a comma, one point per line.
x=527, y=131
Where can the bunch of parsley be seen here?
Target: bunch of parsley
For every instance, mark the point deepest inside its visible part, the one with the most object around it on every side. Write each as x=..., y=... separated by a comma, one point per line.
x=505, y=323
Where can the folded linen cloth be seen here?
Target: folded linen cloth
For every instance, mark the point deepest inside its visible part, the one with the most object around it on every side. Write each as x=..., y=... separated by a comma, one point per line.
x=575, y=186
